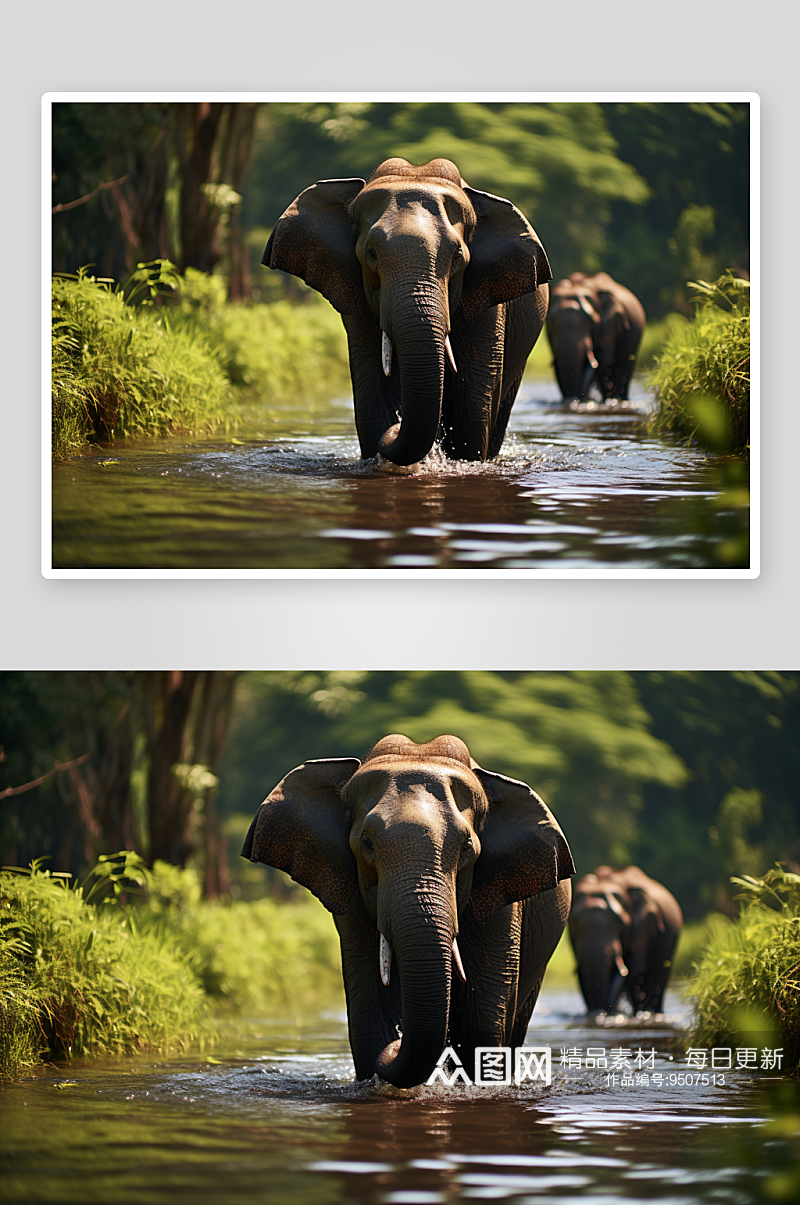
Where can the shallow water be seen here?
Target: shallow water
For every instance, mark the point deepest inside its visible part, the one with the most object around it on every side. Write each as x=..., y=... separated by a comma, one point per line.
x=572, y=489
x=273, y=1114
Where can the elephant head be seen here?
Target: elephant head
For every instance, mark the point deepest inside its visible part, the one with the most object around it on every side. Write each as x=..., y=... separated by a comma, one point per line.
x=402, y=849
x=397, y=256
x=573, y=330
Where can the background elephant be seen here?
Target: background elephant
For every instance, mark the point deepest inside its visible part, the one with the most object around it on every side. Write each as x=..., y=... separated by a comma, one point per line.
x=428, y=863
x=442, y=291
x=594, y=327
x=623, y=927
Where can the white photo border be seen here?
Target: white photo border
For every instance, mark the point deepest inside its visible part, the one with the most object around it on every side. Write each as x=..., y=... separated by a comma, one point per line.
x=417, y=574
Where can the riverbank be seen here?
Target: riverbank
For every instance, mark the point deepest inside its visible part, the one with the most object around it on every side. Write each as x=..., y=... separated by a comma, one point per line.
x=134, y=959
x=166, y=353
x=702, y=373
x=747, y=984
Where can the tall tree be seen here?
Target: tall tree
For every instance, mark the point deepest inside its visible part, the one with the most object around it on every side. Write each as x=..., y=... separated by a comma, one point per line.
x=180, y=169
x=88, y=737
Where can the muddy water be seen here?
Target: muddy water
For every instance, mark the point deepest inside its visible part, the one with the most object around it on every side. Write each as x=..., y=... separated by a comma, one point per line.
x=273, y=1115
x=571, y=489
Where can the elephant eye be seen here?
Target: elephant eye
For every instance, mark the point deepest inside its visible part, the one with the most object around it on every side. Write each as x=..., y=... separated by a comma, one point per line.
x=467, y=850
x=371, y=256
x=367, y=848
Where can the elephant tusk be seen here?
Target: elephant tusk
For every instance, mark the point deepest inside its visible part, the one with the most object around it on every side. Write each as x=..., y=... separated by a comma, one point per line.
x=386, y=354
x=451, y=360
x=385, y=959
x=458, y=962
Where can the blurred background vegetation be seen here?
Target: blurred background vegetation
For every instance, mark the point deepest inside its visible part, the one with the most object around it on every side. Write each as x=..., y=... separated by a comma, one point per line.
x=691, y=775
x=655, y=193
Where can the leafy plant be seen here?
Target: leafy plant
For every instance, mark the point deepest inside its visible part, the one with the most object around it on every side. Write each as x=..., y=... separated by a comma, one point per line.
x=133, y=958
x=747, y=983
x=121, y=369
x=163, y=353
x=702, y=375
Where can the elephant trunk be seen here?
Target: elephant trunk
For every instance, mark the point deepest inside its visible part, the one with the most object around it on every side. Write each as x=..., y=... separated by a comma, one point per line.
x=421, y=947
x=602, y=973
x=417, y=335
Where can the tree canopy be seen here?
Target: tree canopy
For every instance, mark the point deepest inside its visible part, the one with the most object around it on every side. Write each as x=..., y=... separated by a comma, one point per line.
x=690, y=775
x=653, y=192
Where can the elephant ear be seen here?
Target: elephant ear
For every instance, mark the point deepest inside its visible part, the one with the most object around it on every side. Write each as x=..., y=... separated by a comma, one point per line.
x=506, y=257
x=301, y=828
x=523, y=850
x=314, y=240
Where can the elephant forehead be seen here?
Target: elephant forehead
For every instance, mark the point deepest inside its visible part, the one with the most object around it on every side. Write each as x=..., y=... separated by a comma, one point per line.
x=438, y=199
x=432, y=788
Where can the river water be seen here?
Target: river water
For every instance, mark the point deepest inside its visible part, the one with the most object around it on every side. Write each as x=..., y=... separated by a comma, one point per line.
x=272, y=1113
x=572, y=489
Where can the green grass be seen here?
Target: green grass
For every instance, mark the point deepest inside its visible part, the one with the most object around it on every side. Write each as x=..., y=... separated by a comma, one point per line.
x=84, y=973
x=121, y=370
x=276, y=352
x=747, y=982
x=702, y=374
x=164, y=353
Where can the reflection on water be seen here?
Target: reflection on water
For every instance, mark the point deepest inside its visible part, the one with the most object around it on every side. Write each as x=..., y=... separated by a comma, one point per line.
x=275, y=1115
x=571, y=489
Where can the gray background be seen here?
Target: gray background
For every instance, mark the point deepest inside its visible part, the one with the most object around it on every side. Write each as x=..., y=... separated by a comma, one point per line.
x=422, y=45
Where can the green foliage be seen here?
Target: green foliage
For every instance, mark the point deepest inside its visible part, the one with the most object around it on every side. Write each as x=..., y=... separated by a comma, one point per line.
x=275, y=352
x=82, y=975
x=99, y=982
x=734, y=732
x=702, y=376
x=617, y=186
x=696, y=161
x=249, y=957
x=125, y=363
x=121, y=370
x=747, y=986
x=581, y=739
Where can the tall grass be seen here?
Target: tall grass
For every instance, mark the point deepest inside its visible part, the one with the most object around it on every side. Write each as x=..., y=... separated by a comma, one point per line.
x=134, y=959
x=702, y=374
x=276, y=352
x=121, y=369
x=164, y=353
x=747, y=982
x=97, y=982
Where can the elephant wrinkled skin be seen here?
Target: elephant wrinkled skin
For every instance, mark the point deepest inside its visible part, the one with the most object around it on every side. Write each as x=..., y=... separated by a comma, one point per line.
x=623, y=927
x=449, y=887
x=594, y=327
x=442, y=291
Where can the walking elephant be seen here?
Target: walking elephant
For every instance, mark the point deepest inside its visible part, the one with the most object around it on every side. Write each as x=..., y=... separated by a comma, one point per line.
x=442, y=291
x=594, y=327
x=449, y=887
x=623, y=927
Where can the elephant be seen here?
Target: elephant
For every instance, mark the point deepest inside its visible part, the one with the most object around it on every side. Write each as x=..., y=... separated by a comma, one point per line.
x=443, y=292
x=449, y=887
x=623, y=927
x=594, y=327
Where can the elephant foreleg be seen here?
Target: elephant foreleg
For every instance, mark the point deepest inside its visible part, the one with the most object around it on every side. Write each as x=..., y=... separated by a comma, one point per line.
x=373, y=1010
x=483, y=1009
x=376, y=397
